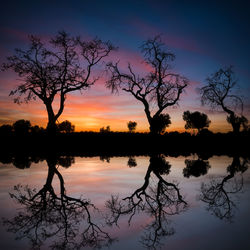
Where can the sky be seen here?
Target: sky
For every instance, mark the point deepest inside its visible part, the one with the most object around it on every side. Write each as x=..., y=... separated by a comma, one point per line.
x=204, y=36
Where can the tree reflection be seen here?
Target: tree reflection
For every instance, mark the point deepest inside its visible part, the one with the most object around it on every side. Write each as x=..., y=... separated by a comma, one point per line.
x=196, y=168
x=132, y=162
x=219, y=194
x=158, y=198
x=47, y=214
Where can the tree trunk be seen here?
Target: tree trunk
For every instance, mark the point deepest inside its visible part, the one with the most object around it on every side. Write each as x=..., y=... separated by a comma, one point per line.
x=51, y=172
x=51, y=126
x=236, y=127
x=235, y=122
x=152, y=127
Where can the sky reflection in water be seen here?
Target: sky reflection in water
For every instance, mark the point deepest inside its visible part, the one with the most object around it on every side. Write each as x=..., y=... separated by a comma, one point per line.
x=173, y=203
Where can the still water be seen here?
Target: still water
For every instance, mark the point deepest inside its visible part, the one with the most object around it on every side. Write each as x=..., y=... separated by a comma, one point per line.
x=142, y=202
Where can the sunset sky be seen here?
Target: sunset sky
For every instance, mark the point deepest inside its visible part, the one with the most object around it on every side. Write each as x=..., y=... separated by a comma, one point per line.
x=204, y=35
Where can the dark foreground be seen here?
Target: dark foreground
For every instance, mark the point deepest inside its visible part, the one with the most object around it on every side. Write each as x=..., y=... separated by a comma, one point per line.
x=90, y=143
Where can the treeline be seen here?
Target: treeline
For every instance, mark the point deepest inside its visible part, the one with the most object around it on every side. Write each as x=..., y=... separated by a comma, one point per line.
x=119, y=143
x=23, y=127
x=193, y=121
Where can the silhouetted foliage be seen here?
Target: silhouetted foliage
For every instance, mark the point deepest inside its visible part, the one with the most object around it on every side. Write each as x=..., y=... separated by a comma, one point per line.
x=37, y=129
x=237, y=122
x=219, y=93
x=195, y=168
x=22, y=161
x=105, y=158
x=116, y=143
x=159, y=198
x=132, y=126
x=55, y=69
x=205, y=132
x=64, y=220
x=160, y=123
x=105, y=130
x=6, y=129
x=66, y=127
x=65, y=161
x=132, y=162
x=157, y=89
x=196, y=120
x=218, y=194
x=22, y=127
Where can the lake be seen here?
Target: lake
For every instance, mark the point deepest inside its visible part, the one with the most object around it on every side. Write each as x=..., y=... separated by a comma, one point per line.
x=127, y=202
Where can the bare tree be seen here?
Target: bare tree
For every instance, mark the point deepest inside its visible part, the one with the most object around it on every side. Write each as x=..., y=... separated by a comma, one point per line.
x=219, y=92
x=53, y=70
x=158, y=89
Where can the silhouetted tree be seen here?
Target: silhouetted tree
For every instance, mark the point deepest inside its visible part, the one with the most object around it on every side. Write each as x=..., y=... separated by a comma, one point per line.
x=22, y=127
x=219, y=92
x=196, y=120
x=55, y=216
x=65, y=161
x=160, y=123
x=237, y=122
x=132, y=126
x=53, y=70
x=158, y=198
x=105, y=130
x=66, y=127
x=158, y=89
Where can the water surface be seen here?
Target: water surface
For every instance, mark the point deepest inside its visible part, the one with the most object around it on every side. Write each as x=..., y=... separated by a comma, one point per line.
x=131, y=202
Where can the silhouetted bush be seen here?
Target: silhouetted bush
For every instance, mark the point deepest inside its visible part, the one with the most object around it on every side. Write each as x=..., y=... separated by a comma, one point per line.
x=6, y=130
x=132, y=126
x=66, y=127
x=196, y=120
x=105, y=130
x=22, y=127
x=160, y=123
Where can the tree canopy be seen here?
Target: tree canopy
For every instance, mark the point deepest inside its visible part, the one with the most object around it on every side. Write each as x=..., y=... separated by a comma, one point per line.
x=66, y=127
x=196, y=120
x=132, y=126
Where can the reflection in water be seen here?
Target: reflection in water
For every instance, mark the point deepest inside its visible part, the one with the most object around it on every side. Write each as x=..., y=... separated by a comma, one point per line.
x=218, y=194
x=47, y=215
x=105, y=158
x=132, y=162
x=160, y=200
x=195, y=168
